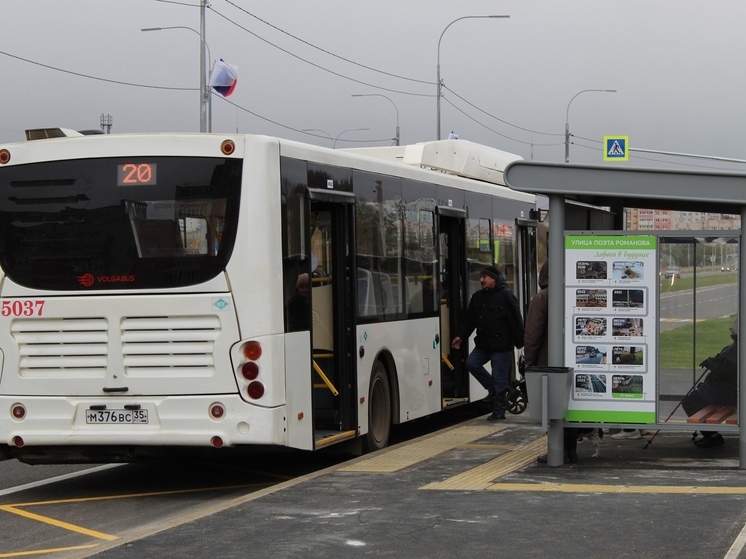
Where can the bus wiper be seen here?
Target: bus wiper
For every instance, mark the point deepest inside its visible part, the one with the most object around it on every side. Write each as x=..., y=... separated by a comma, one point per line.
x=57, y=200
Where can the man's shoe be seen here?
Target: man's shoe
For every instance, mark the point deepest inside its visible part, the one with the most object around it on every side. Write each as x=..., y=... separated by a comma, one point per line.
x=491, y=395
x=495, y=417
x=710, y=442
x=631, y=435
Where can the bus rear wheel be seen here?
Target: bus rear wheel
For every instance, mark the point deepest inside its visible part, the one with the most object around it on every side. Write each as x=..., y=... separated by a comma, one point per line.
x=379, y=409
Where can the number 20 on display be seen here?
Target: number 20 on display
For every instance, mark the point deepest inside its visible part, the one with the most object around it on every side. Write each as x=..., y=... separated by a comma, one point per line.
x=136, y=173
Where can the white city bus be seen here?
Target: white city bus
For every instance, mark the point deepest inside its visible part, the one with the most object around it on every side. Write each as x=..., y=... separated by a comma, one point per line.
x=147, y=289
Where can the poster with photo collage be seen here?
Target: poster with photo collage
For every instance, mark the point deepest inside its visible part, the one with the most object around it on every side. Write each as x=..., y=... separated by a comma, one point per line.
x=611, y=327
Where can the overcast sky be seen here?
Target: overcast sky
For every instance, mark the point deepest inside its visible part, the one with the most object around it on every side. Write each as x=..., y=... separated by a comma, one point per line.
x=676, y=65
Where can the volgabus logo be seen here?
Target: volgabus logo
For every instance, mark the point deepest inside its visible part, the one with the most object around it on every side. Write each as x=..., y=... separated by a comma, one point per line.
x=87, y=280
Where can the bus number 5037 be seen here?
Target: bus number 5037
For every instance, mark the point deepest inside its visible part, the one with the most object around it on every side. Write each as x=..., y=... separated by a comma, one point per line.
x=22, y=308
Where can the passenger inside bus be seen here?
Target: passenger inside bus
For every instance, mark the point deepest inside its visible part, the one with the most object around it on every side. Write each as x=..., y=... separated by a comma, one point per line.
x=297, y=306
x=432, y=294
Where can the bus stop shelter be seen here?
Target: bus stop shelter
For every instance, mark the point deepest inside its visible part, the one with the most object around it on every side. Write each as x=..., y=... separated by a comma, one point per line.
x=617, y=188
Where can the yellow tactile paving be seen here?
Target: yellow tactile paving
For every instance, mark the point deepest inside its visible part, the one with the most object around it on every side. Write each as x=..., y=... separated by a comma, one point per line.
x=483, y=446
x=590, y=488
x=408, y=455
x=482, y=476
x=510, y=459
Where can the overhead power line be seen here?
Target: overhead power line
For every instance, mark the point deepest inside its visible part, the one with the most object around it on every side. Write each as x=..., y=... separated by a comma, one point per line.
x=244, y=109
x=483, y=125
x=500, y=119
x=429, y=83
x=229, y=20
x=88, y=76
x=370, y=68
x=307, y=43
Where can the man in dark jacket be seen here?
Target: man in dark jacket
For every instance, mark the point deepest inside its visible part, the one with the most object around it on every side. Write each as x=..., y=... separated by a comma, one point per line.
x=720, y=387
x=536, y=342
x=496, y=316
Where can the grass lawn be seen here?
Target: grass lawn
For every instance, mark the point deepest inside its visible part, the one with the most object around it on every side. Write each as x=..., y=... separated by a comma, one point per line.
x=675, y=346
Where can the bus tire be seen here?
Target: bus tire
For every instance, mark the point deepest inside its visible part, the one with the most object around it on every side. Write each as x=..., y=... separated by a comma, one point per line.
x=379, y=409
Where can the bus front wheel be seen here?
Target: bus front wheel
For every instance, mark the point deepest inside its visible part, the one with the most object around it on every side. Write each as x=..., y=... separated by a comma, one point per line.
x=379, y=409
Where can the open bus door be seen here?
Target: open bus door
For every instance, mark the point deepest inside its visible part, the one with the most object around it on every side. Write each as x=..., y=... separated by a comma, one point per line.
x=528, y=273
x=452, y=279
x=332, y=330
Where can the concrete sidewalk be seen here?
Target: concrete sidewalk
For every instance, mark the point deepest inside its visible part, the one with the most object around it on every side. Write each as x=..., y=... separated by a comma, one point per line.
x=475, y=490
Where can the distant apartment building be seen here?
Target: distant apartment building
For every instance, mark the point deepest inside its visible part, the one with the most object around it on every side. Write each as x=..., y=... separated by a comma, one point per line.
x=640, y=219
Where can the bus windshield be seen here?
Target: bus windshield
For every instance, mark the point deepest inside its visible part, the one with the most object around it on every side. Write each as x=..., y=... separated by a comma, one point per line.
x=118, y=223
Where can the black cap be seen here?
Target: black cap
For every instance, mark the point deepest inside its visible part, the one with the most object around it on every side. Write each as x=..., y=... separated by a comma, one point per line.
x=490, y=271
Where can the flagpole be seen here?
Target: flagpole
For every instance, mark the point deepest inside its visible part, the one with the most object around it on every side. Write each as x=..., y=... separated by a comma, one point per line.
x=208, y=93
x=203, y=92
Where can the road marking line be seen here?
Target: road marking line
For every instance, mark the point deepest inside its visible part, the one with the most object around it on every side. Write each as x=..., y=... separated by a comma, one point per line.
x=407, y=455
x=482, y=477
x=45, y=551
x=58, y=523
x=13, y=509
x=735, y=550
x=136, y=495
x=56, y=479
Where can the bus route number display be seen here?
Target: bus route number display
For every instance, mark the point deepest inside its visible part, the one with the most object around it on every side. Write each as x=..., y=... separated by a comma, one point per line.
x=134, y=174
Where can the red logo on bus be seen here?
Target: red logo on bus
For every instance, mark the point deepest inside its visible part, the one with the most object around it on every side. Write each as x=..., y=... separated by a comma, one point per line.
x=87, y=280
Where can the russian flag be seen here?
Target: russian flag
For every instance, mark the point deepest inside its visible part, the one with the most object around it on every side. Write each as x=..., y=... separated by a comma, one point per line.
x=224, y=77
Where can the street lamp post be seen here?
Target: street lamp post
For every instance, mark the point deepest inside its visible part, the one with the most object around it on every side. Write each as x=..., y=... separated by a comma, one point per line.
x=438, y=82
x=396, y=139
x=333, y=140
x=205, y=99
x=320, y=130
x=334, y=143
x=567, y=119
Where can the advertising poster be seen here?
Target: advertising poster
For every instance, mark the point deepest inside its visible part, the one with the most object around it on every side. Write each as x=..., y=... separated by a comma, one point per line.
x=611, y=284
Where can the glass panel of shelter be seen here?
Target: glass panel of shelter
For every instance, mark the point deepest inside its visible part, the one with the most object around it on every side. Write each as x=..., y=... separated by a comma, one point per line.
x=698, y=293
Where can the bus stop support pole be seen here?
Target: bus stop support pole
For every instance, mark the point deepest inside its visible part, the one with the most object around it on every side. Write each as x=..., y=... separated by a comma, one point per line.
x=544, y=403
x=741, y=346
x=555, y=320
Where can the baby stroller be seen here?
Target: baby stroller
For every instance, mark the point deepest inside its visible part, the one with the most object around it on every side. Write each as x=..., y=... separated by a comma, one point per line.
x=514, y=398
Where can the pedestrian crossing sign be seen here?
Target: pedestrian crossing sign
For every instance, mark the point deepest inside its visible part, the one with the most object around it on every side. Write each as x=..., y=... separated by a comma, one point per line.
x=616, y=148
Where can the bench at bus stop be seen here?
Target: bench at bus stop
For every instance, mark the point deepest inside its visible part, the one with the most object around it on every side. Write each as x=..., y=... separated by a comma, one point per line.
x=714, y=414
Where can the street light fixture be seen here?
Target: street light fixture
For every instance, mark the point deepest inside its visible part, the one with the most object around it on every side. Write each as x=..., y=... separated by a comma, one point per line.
x=205, y=99
x=439, y=83
x=567, y=119
x=334, y=143
x=396, y=139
